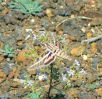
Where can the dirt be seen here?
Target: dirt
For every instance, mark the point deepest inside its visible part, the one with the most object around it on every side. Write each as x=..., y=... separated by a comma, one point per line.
x=63, y=24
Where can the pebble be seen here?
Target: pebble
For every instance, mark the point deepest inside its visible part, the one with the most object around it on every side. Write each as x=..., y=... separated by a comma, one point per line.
x=84, y=57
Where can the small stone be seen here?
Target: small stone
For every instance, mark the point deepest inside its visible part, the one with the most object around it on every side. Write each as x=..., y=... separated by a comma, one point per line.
x=29, y=30
x=32, y=20
x=85, y=57
x=83, y=29
x=42, y=77
x=49, y=13
x=61, y=7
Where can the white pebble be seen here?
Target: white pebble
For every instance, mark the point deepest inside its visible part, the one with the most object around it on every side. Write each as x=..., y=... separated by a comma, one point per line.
x=85, y=57
x=29, y=30
x=32, y=20
x=42, y=77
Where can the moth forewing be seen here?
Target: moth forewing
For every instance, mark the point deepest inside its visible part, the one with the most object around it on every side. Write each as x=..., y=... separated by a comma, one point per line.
x=50, y=59
x=40, y=61
x=44, y=61
x=47, y=59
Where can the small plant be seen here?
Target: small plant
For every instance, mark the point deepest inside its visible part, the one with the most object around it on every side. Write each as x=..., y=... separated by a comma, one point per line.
x=26, y=6
x=1, y=1
x=7, y=51
x=33, y=95
x=92, y=86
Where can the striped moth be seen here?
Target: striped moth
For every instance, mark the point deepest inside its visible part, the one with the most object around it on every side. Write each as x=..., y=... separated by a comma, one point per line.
x=53, y=52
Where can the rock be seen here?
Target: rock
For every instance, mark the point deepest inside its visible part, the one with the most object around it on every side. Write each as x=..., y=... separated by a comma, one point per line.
x=12, y=18
x=73, y=28
x=85, y=57
x=49, y=13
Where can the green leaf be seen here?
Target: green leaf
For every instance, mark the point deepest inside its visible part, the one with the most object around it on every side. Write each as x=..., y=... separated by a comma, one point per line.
x=26, y=6
x=1, y=1
x=34, y=95
x=91, y=86
x=8, y=50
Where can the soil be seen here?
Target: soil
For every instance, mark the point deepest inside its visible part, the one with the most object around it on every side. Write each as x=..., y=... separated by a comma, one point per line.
x=72, y=24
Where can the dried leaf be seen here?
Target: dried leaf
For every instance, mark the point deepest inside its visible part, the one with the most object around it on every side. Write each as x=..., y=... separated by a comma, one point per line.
x=77, y=51
x=99, y=91
x=21, y=56
x=2, y=74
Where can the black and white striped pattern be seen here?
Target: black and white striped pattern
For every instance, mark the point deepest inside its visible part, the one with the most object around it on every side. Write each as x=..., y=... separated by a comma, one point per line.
x=47, y=59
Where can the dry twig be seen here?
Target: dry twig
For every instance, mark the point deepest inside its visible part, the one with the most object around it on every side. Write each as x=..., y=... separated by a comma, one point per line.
x=92, y=39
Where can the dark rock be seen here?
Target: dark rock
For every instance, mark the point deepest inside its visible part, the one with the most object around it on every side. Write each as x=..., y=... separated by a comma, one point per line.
x=45, y=23
x=14, y=17
x=73, y=28
x=63, y=12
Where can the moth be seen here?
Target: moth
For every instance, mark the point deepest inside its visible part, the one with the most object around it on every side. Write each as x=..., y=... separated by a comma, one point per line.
x=53, y=51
